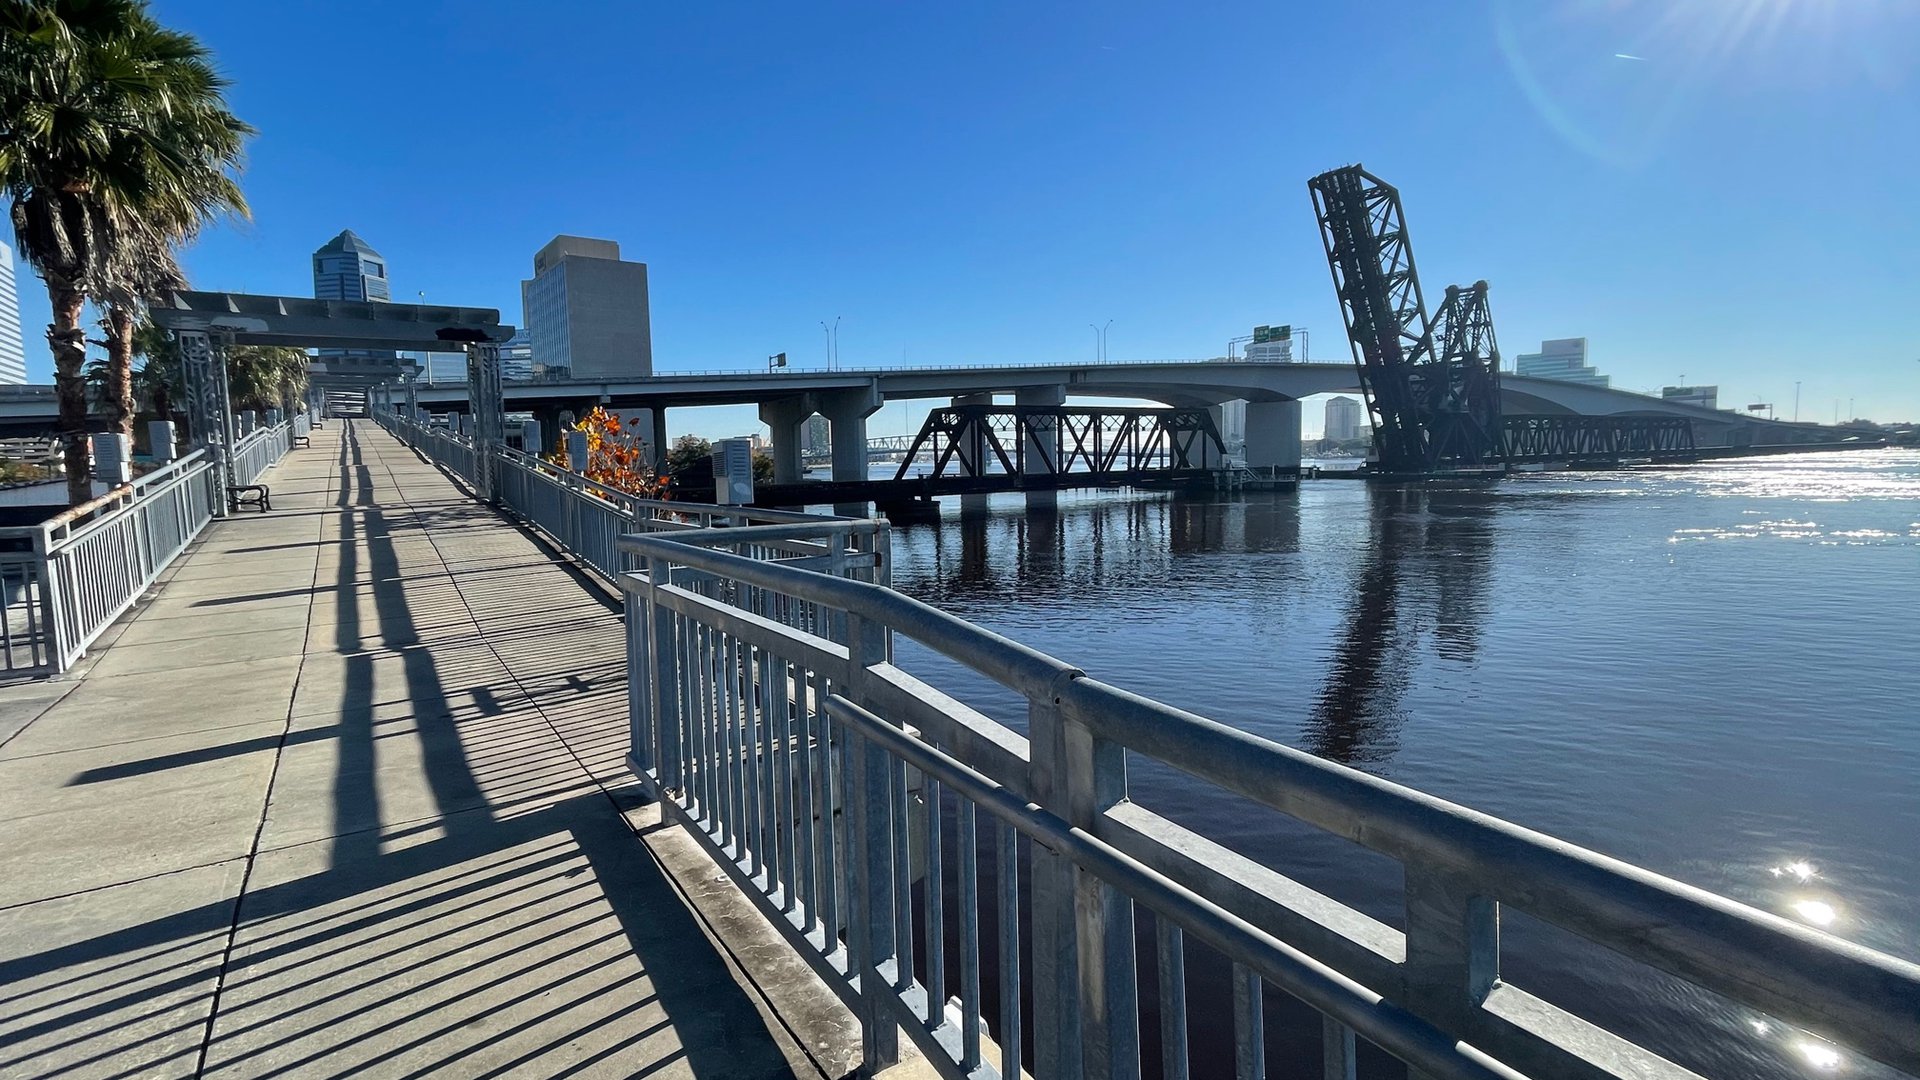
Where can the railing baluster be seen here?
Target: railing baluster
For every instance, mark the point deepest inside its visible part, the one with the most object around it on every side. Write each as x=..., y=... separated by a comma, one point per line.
x=902, y=840
x=829, y=783
x=769, y=766
x=1172, y=964
x=934, y=889
x=779, y=683
x=806, y=804
x=1249, y=1025
x=1010, y=982
x=715, y=733
x=735, y=726
x=751, y=825
x=1337, y=1050
x=967, y=850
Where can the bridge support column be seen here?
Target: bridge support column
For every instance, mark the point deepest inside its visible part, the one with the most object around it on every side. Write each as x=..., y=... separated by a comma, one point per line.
x=1040, y=452
x=1273, y=435
x=785, y=418
x=846, y=412
x=657, y=437
x=972, y=453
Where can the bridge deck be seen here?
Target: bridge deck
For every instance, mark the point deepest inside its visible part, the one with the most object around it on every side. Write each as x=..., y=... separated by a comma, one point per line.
x=348, y=796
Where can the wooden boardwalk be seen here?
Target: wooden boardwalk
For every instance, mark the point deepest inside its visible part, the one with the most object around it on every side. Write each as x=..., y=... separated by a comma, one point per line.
x=347, y=797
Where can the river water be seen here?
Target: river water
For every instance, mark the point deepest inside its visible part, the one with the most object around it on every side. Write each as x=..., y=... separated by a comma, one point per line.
x=1707, y=671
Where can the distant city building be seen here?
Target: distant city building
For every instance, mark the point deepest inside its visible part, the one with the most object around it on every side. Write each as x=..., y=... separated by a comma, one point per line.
x=1343, y=420
x=516, y=357
x=586, y=310
x=1564, y=359
x=347, y=268
x=1231, y=418
x=1270, y=352
x=817, y=436
x=13, y=347
x=1707, y=397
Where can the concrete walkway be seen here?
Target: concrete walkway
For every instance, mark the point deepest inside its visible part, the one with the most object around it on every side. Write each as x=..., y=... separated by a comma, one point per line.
x=347, y=797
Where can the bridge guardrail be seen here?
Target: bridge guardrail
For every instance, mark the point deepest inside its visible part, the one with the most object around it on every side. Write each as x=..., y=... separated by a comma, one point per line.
x=793, y=756
x=64, y=581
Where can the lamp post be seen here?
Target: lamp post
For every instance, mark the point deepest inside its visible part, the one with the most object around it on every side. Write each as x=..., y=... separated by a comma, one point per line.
x=833, y=342
x=1100, y=341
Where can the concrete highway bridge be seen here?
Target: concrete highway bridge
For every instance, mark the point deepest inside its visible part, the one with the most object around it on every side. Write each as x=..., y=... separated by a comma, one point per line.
x=1273, y=392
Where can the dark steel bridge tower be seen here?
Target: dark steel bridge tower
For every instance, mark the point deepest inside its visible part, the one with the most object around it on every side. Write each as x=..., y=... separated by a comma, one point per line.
x=1432, y=385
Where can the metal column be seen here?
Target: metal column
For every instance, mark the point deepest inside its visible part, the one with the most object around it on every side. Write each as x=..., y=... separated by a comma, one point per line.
x=209, y=411
x=485, y=399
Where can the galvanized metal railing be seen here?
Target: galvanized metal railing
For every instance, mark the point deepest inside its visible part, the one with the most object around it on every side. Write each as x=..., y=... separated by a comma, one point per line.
x=63, y=581
x=583, y=517
x=257, y=452
x=828, y=781
x=448, y=449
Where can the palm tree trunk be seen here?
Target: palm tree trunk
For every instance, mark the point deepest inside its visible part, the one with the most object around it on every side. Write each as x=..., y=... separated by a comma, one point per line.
x=69, y=342
x=120, y=404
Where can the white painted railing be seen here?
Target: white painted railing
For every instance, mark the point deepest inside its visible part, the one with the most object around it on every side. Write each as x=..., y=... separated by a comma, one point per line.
x=66, y=579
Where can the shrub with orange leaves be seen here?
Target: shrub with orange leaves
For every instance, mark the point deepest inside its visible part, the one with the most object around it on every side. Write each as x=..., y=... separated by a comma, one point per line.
x=616, y=456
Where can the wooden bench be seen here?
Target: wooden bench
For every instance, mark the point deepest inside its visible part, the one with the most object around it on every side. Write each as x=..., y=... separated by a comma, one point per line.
x=256, y=495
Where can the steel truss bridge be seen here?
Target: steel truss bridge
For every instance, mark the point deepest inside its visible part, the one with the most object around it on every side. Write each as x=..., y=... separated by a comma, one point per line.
x=1597, y=438
x=1099, y=443
x=982, y=449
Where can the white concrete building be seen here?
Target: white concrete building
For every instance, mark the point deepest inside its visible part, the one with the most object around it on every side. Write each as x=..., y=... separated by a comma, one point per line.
x=1560, y=358
x=586, y=310
x=13, y=346
x=1707, y=397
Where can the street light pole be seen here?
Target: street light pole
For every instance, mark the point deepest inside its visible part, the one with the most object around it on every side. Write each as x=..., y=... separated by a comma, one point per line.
x=1796, y=401
x=1100, y=341
x=832, y=334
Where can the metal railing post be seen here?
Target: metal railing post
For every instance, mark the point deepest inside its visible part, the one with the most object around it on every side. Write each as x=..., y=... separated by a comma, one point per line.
x=668, y=720
x=1453, y=946
x=874, y=899
x=1086, y=999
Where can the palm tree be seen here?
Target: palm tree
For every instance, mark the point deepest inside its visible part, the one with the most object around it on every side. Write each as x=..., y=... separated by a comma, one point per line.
x=142, y=268
x=264, y=377
x=110, y=127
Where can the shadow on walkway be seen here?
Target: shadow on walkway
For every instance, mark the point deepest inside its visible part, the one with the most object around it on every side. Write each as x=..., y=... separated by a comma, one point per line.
x=436, y=876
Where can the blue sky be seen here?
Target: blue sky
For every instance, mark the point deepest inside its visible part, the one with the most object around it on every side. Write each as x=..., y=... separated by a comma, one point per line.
x=1716, y=189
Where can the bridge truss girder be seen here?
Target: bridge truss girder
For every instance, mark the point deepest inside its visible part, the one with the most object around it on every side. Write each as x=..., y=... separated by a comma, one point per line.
x=1596, y=438
x=1026, y=440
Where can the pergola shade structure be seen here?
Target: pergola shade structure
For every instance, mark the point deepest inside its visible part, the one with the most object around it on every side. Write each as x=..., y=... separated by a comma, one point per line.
x=206, y=323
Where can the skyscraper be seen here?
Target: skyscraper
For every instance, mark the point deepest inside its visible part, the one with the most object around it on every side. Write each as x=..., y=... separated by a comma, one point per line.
x=1564, y=359
x=1343, y=419
x=586, y=310
x=13, y=347
x=347, y=268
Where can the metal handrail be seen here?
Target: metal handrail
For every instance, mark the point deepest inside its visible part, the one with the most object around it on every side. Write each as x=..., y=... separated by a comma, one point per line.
x=1461, y=864
x=1394, y=1029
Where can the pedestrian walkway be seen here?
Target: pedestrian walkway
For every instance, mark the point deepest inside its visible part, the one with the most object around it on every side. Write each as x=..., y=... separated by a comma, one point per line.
x=347, y=797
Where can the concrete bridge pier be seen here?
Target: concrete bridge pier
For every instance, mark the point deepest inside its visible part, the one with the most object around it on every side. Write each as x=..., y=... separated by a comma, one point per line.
x=785, y=417
x=846, y=412
x=1273, y=435
x=1041, y=454
x=656, y=437
x=972, y=453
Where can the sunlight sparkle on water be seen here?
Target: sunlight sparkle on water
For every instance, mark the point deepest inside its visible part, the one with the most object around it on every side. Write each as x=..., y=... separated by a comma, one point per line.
x=1817, y=912
x=1801, y=870
x=1818, y=1054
